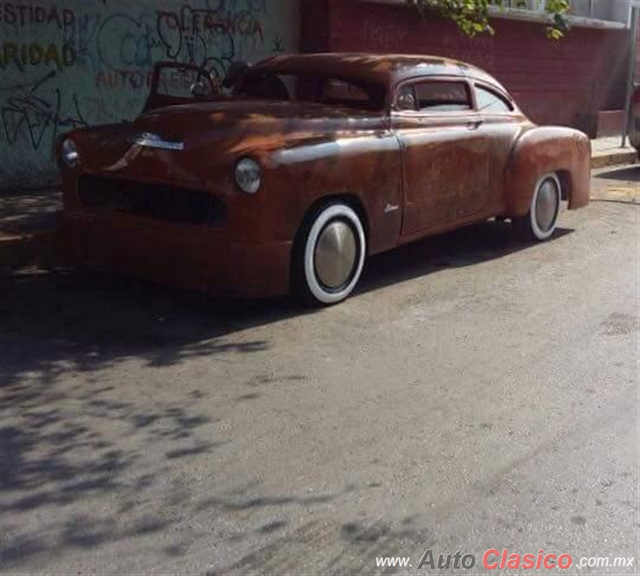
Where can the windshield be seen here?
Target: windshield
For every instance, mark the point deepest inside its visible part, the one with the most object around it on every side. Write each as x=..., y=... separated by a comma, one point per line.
x=302, y=88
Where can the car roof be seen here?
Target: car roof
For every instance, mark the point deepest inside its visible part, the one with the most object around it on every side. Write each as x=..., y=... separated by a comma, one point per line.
x=379, y=68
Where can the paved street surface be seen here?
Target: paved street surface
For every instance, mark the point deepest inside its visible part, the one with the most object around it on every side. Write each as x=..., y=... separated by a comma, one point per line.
x=475, y=393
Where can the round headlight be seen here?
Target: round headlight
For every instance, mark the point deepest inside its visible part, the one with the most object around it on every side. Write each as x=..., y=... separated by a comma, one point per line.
x=248, y=175
x=69, y=153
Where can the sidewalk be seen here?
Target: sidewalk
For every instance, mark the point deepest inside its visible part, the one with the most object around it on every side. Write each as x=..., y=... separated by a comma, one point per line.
x=607, y=152
x=28, y=228
x=28, y=219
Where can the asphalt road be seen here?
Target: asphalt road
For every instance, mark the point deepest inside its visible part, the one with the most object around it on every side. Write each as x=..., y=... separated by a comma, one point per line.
x=476, y=393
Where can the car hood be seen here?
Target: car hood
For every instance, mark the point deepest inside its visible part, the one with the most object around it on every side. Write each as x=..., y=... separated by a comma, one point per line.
x=232, y=119
x=195, y=144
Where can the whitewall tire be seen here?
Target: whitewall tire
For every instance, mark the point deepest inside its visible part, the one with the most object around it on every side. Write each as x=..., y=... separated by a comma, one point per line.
x=329, y=255
x=540, y=222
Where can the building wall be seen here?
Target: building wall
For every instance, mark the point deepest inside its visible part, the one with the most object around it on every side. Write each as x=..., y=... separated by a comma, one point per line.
x=70, y=63
x=615, y=10
x=565, y=82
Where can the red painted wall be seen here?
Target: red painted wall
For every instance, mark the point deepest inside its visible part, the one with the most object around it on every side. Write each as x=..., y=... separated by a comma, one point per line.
x=563, y=82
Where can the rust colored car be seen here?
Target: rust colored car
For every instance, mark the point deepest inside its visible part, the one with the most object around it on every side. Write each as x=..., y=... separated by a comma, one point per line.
x=316, y=162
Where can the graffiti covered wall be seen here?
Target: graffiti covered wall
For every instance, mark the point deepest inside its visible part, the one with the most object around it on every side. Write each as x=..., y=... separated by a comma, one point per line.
x=71, y=63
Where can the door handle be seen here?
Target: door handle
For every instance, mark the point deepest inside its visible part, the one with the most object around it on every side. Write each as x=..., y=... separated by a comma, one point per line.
x=475, y=124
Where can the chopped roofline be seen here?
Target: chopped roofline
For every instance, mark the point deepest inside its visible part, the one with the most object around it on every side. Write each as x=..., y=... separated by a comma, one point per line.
x=377, y=67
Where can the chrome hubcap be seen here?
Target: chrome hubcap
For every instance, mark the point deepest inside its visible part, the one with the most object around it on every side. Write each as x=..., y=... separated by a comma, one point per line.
x=547, y=203
x=335, y=254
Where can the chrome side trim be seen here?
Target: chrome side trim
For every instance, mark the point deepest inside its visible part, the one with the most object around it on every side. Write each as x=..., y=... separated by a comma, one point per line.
x=150, y=140
x=390, y=208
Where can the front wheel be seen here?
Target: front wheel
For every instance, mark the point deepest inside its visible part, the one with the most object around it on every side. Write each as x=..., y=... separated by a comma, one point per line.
x=539, y=223
x=329, y=255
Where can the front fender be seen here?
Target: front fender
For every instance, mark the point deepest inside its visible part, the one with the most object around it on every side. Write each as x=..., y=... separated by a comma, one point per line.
x=542, y=150
x=364, y=165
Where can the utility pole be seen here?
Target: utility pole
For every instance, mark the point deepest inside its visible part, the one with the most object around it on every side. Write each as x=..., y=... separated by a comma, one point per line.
x=633, y=31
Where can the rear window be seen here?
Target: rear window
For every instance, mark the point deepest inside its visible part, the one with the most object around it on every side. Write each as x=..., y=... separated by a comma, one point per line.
x=322, y=89
x=341, y=92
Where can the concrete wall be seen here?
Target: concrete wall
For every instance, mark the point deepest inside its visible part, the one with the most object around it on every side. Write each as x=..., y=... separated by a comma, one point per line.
x=70, y=63
x=564, y=82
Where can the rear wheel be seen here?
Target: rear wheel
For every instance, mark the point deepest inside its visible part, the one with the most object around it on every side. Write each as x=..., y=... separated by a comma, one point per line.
x=539, y=223
x=329, y=255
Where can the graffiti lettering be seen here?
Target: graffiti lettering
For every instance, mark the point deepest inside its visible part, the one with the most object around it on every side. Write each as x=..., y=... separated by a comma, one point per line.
x=118, y=79
x=197, y=37
x=34, y=54
x=203, y=21
x=22, y=14
x=71, y=63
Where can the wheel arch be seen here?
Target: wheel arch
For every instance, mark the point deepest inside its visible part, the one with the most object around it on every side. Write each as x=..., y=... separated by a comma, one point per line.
x=349, y=198
x=546, y=150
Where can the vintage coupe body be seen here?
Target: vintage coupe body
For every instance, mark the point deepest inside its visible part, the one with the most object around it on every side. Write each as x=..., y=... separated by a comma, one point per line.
x=290, y=188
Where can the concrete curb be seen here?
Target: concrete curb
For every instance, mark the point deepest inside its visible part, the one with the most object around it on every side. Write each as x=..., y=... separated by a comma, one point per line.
x=613, y=159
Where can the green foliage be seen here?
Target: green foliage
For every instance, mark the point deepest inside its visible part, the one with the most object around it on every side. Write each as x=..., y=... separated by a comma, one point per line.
x=557, y=9
x=472, y=16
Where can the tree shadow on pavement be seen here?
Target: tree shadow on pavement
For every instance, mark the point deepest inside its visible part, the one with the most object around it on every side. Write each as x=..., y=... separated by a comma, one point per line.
x=94, y=321
x=28, y=211
x=91, y=457
x=86, y=461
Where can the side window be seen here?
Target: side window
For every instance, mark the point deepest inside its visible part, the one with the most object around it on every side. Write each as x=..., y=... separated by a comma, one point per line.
x=489, y=101
x=442, y=96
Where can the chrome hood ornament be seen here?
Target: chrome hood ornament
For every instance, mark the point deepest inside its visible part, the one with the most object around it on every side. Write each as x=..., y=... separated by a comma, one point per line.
x=150, y=140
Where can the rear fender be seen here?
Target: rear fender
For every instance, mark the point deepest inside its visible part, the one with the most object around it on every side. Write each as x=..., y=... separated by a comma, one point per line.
x=543, y=150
